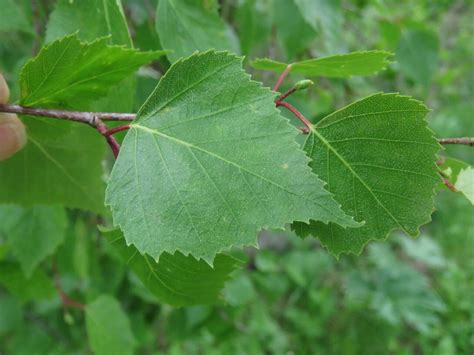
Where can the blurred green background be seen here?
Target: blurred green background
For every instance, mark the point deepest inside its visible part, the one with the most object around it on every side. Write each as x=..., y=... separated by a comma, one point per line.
x=403, y=296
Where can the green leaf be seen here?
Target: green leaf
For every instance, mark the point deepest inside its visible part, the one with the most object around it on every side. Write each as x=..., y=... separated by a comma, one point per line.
x=417, y=54
x=11, y=315
x=33, y=233
x=106, y=20
x=187, y=26
x=68, y=71
x=108, y=327
x=176, y=279
x=465, y=183
x=293, y=33
x=378, y=157
x=240, y=291
x=336, y=66
x=253, y=23
x=13, y=17
x=91, y=19
x=395, y=291
x=324, y=16
x=37, y=287
x=61, y=164
x=209, y=162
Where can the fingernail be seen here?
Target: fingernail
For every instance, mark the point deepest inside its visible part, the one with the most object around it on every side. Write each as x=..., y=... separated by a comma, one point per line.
x=12, y=137
x=4, y=91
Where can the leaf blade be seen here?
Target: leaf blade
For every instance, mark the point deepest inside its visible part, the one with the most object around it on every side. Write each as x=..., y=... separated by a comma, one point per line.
x=337, y=66
x=108, y=327
x=78, y=73
x=169, y=187
x=395, y=175
x=33, y=233
x=189, y=26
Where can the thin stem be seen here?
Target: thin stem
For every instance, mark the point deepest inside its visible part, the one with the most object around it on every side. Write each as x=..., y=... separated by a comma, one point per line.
x=446, y=181
x=77, y=116
x=116, y=130
x=285, y=95
x=111, y=141
x=304, y=130
x=282, y=78
x=297, y=113
x=93, y=119
x=462, y=140
x=65, y=299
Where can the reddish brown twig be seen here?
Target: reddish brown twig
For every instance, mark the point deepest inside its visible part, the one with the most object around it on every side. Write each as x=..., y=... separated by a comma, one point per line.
x=297, y=113
x=116, y=130
x=104, y=131
x=282, y=78
x=285, y=95
x=65, y=299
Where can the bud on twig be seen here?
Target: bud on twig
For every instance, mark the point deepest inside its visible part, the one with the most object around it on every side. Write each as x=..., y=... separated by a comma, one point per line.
x=303, y=84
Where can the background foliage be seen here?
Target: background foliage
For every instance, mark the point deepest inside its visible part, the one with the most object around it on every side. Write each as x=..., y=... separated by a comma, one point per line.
x=405, y=296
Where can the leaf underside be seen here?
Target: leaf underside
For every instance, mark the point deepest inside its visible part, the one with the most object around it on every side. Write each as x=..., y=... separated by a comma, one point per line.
x=378, y=158
x=336, y=66
x=209, y=162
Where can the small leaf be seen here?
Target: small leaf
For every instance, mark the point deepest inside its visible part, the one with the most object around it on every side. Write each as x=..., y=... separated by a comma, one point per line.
x=37, y=287
x=417, y=55
x=176, y=279
x=68, y=71
x=107, y=20
x=108, y=327
x=13, y=17
x=336, y=66
x=33, y=233
x=209, y=162
x=465, y=183
x=378, y=157
x=324, y=16
x=253, y=23
x=293, y=33
x=92, y=19
x=187, y=26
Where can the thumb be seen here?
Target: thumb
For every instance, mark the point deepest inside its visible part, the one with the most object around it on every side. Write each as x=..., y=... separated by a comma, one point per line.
x=12, y=131
x=12, y=135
